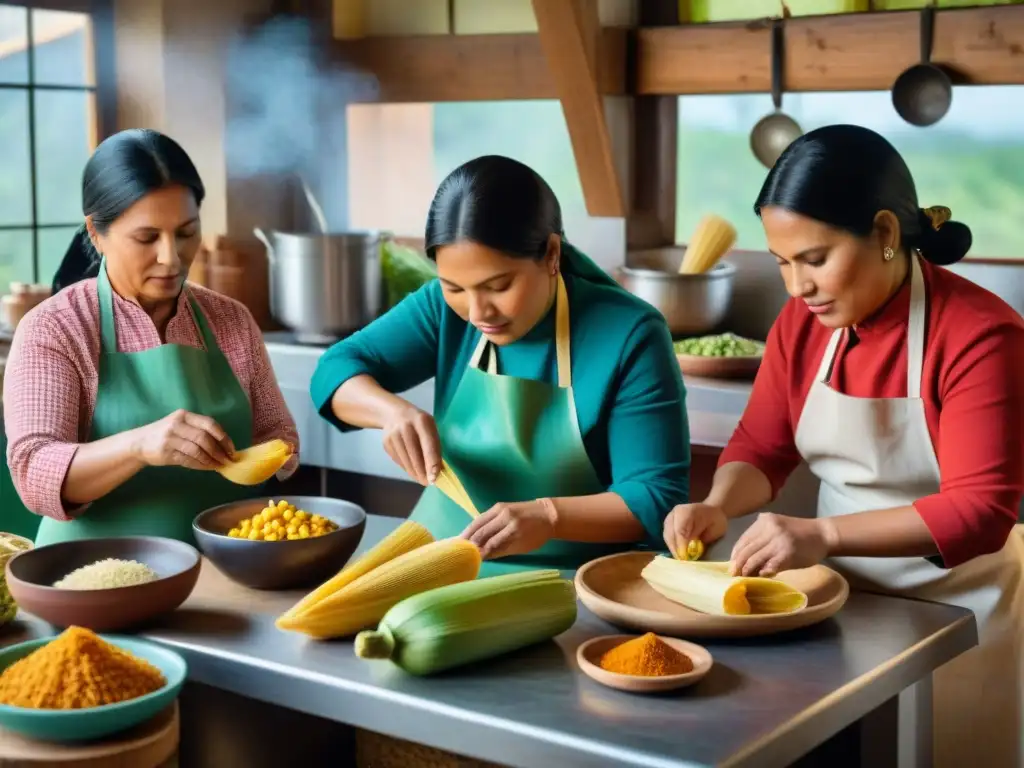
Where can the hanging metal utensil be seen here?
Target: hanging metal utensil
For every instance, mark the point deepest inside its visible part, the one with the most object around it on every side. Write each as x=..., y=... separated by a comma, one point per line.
x=922, y=94
x=774, y=132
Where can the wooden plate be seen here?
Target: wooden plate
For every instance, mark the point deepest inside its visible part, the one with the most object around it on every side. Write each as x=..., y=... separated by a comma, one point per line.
x=719, y=367
x=589, y=654
x=612, y=588
x=152, y=743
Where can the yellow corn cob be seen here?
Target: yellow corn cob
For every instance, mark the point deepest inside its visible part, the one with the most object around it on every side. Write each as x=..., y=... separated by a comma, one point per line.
x=708, y=588
x=462, y=623
x=405, y=538
x=257, y=464
x=363, y=602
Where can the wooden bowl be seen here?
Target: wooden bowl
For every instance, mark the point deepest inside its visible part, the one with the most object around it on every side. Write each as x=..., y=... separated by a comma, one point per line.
x=275, y=565
x=613, y=589
x=31, y=574
x=588, y=656
x=719, y=367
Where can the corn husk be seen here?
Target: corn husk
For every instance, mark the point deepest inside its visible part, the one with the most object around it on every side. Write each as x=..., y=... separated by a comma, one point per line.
x=712, y=239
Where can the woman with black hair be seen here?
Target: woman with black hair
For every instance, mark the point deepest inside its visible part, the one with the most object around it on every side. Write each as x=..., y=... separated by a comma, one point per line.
x=121, y=384
x=558, y=405
x=901, y=385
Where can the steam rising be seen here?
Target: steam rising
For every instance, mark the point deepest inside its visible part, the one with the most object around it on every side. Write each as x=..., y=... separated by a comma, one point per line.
x=288, y=100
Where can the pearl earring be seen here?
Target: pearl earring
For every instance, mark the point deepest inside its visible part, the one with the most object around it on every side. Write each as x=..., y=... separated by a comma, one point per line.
x=888, y=253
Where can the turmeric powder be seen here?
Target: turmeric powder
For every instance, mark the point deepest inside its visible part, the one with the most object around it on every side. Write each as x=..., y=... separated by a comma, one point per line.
x=646, y=656
x=77, y=670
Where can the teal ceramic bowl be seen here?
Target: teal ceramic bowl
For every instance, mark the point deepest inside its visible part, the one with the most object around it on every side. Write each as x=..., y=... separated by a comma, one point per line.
x=74, y=725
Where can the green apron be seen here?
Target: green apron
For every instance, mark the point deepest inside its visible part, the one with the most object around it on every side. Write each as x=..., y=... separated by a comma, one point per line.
x=15, y=517
x=509, y=440
x=138, y=388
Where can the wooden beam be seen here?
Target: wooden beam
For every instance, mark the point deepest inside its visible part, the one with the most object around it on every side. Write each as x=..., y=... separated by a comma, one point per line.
x=570, y=33
x=438, y=68
x=852, y=52
x=652, y=212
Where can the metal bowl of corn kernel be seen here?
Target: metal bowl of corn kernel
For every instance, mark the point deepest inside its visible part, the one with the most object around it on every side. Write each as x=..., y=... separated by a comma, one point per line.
x=289, y=543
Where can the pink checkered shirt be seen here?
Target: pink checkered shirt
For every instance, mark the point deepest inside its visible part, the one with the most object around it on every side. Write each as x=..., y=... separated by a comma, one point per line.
x=51, y=378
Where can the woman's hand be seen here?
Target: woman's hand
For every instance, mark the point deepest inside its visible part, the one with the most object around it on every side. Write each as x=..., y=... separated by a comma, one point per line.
x=778, y=543
x=513, y=529
x=688, y=522
x=183, y=439
x=412, y=442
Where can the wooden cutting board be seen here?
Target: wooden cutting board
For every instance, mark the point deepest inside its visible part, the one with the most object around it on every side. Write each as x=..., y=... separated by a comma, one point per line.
x=150, y=745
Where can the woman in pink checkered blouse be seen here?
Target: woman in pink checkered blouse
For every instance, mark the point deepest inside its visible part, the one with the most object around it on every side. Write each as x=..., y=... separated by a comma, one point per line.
x=125, y=389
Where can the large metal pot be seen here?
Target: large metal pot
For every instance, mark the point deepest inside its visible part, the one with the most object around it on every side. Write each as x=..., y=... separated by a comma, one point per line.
x=692, y=304
x=323, y=286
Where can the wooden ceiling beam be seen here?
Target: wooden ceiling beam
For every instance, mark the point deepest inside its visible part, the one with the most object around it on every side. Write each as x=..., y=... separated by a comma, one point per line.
x=570, y=36
x=851, y=52
x=439, y=68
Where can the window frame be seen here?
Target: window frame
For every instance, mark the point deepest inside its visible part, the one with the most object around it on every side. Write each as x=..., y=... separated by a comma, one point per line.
x=102, y=90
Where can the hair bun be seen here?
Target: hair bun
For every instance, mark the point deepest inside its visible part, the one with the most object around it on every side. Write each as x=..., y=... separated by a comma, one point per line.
x=946, y=244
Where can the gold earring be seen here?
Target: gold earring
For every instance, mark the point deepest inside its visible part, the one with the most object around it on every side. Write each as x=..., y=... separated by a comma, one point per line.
x=888, y=253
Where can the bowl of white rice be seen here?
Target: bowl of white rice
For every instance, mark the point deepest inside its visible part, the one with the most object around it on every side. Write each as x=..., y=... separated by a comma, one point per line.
x=105, y=585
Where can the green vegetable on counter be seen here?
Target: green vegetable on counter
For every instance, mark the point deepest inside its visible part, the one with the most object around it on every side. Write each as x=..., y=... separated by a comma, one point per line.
x=403, y=270
x=10, y=545
x=722, y=345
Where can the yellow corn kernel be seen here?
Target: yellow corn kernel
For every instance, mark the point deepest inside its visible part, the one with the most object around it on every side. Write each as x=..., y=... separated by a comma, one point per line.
x=253, y=535
x=288, y=514
x=235, y=532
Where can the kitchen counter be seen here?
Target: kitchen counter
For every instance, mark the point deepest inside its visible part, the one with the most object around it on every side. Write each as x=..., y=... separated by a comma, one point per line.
x=765, y=703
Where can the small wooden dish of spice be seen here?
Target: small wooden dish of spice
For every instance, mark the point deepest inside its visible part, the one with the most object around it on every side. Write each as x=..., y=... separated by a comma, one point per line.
x=643, y=664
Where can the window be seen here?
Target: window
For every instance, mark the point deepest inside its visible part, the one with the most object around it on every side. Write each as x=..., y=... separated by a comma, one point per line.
x=47, y=131
x=972, y=161
x=399, y=153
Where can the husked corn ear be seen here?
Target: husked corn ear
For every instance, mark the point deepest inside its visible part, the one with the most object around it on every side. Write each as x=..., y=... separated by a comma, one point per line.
x=363, y=602
x=257, y=464
x=463, y=623
x=708, y=588
x=405, y=538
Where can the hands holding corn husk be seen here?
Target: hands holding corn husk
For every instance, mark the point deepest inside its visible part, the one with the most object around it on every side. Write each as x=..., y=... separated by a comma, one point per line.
x=412, y=442
x=513, y=529
x=772, y=544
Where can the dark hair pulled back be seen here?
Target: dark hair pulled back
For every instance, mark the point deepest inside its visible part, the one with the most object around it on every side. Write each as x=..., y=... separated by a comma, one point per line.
x=497, y=202
x=843, y=175
x=124, y=168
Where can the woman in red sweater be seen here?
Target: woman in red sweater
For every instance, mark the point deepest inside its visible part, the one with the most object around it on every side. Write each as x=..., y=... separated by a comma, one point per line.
x=901, y=385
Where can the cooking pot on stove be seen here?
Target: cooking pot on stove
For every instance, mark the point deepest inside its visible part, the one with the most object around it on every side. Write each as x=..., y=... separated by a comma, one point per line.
x=323, y=287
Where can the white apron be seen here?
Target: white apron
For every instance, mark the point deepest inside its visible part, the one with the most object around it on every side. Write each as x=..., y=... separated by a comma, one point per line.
x=877, y=453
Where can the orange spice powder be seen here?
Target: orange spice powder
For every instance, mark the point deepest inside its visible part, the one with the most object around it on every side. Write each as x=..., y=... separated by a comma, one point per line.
x=646, y=656
x=77, y=670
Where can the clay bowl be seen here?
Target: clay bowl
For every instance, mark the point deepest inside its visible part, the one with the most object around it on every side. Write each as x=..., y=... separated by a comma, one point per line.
x=719, y=367
x=30, y=576
x=274, y=565
x=588, y=656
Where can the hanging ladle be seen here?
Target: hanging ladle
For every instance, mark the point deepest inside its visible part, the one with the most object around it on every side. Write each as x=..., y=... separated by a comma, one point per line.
x=774, y=132
x=923, y=93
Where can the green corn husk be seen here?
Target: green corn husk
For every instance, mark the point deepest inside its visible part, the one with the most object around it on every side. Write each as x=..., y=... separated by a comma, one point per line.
x=471, y=621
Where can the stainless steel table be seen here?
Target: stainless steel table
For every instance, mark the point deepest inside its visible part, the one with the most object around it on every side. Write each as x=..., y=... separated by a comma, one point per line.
x=765, y=703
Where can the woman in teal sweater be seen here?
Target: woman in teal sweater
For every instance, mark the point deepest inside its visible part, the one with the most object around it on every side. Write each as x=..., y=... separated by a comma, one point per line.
x=558, y=401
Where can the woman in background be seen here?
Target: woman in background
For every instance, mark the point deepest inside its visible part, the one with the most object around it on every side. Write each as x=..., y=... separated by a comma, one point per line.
x=901, y=385
x=559, y=403
x=122, y=385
